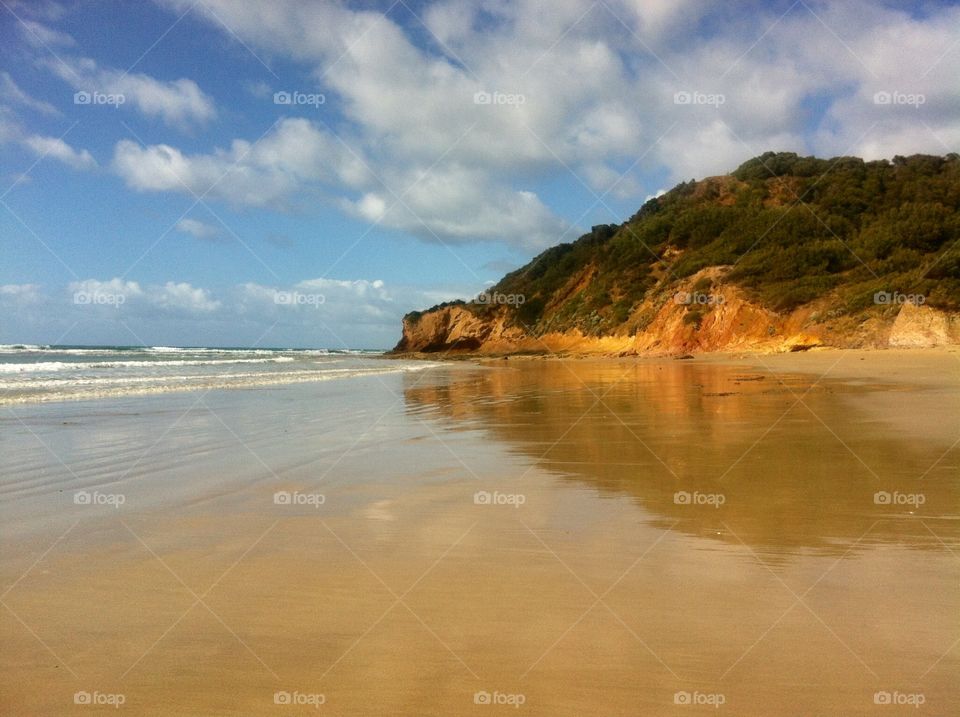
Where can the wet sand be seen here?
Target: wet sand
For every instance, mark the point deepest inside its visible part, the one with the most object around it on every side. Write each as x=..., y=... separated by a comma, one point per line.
x=647, y=533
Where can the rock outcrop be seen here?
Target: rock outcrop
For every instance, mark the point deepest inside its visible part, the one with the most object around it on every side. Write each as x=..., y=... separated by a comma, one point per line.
x=728, y=322
x=923, y=327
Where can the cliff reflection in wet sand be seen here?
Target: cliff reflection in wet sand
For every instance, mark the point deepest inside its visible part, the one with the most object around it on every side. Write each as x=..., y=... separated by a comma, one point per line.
x=748, y=553
x=794, y=461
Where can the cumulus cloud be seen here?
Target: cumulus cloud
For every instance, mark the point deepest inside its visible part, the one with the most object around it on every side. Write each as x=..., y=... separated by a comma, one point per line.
x=459, y=204
x=328, y=301
x=20, y=293
x=342, y=309
x=197, y=229
x=115, y=286
x=598, y=82
x=339, y=313
x=56, y=148
x=321, y=311
x=117, y=293
x=180, y=103
x=183, y=296
x=260, y=89
x=445, y=203
x=293, y=152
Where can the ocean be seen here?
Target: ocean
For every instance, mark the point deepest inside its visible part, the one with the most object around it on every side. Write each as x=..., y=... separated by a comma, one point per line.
x=33, y=373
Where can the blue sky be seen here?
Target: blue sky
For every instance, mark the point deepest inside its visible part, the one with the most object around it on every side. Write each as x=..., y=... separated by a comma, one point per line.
x=428, y=147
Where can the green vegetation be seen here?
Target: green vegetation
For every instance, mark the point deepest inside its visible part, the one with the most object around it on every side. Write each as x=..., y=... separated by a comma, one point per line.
x=786, y=229
x=414, y=316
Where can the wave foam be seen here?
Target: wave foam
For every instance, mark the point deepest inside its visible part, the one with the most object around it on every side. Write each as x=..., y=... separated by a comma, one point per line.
x=53, y=366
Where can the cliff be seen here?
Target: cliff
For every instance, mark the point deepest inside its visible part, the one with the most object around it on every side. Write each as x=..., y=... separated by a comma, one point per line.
x=784, y=254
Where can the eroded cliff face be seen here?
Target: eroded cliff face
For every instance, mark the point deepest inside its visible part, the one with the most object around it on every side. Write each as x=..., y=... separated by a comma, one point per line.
x=726, y=320
x=454, y=328
x=923, y=327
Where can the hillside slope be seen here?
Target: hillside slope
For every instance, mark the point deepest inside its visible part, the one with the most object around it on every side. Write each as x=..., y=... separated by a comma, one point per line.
x=784, y=253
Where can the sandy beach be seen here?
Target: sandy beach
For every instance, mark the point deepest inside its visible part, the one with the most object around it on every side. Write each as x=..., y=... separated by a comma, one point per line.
x=464, y=358
x=754, y=535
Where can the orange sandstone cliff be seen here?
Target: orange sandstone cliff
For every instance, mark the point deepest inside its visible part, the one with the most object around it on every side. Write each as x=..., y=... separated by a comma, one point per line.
x=786, y=253
x=736, y=324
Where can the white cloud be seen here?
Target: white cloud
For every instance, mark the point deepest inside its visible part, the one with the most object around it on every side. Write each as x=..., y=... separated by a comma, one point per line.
x=902, y=58
x=183, y=296
x=176, y=298
x=9, y=127
x=331, y=302
x=597, y=84
x=179, y=103
x=93, y=296
x=56, y=148
x=49, y=10
x=598, y=79
x=604, y=180
x=343, y=309
x=267, y=172
x=337, y=313
x=448, y=203
x=260, y=89
x=344, y=302
x=654, y=19
x=346, y=312
x=458, y=204
x=43, y=36
x=42, y=146
x=197, y=229
x=20, y=293
x=117, y=286
x=11, y=92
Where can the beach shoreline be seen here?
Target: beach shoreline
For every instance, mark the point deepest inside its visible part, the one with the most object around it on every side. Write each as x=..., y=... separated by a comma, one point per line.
x=888, y=363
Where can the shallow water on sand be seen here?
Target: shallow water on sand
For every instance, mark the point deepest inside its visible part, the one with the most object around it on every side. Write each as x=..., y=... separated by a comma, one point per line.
x=526, y=537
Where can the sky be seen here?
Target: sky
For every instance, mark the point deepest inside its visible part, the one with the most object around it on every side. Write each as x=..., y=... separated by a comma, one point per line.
x=301, y=174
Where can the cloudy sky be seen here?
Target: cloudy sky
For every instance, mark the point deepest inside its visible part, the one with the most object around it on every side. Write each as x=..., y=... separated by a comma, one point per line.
x=294, y=173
